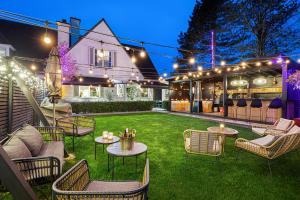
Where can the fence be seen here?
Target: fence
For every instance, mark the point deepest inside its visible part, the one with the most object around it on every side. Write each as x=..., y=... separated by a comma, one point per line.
x=15, y=110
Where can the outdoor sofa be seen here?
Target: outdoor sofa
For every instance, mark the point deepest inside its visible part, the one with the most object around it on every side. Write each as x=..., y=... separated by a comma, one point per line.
x=280, y=126
x=77, y=184
x=272, y=146
x=38, y=152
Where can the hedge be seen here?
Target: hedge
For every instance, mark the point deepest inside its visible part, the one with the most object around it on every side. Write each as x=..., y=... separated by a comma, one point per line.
x=120, y=106
x=166, y=105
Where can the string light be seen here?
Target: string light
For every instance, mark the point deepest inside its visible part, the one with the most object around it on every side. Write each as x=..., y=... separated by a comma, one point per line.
x=81, y=79
x=190, y=74
x=243, y=64
x=133, y=59
x=223, y=63
x=269, y=62
x=200, y=68
x=228, y=69
x=91, y=70
x=192, y=60
x=258, y=64
x=33, y=67
x=298, y=61
x=46, y=38
x=143, y=54
x=175, y=66
x=287, y=61
x=207, y=74
x=165, y=74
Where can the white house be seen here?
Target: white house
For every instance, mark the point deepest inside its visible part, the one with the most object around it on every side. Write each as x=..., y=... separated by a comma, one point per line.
x=104, y=66
x=104, y=70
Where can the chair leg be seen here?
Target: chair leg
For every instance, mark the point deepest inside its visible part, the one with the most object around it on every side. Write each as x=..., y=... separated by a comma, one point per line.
x=269, y=165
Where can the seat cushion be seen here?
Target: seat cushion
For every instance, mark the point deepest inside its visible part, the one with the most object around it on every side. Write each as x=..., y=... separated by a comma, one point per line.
x=258, y=130
x=84, y=131
x=265, y=141
x=294, y=129
x=55, y=149
x=283, y=124
x=112, y=186
x=15, y=148
x=31, y=138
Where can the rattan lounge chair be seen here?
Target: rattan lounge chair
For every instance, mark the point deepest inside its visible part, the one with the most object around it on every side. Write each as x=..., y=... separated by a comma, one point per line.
x=76, y=184
x=279, y=127
x=203, y=142
x=77, y=126
x=270, y=146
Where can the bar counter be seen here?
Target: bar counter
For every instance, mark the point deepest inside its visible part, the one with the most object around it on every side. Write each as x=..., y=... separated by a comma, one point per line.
x=180, y=106
x=244, y=112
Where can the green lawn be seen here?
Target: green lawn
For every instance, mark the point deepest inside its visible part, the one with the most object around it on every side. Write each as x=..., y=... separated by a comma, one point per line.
x=173, y=175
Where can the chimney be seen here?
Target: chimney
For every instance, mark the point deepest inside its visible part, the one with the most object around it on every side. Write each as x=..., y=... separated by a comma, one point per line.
x=63, y=35
x=75, y=32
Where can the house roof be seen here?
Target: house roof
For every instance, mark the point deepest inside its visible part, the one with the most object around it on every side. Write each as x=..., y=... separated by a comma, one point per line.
x=26, y=39
x=145, y=65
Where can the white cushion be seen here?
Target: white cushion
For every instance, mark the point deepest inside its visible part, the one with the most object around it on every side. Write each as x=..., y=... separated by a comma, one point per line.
x=295, y=129
x=259, y=131
x=265, y=141
x=283, y=124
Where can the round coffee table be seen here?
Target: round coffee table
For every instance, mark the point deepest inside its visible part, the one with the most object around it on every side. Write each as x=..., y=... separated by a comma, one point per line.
x=227, y=132
x=115, y=150
x=101, y=140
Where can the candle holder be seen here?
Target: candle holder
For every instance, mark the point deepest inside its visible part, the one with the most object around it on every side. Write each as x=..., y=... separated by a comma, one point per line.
x=105, y=134
x=222, y=126
x=110, y=135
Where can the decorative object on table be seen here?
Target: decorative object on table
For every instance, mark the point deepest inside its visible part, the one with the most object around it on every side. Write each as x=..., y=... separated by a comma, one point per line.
x=127, y=139
x=222, y=126
x=110, y=135
x=105, y=134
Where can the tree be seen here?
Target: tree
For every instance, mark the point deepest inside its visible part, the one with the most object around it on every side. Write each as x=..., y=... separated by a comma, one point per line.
x=266, y=20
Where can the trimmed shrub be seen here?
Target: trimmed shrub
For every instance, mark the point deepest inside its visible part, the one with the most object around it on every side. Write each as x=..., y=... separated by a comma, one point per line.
x=120, y=106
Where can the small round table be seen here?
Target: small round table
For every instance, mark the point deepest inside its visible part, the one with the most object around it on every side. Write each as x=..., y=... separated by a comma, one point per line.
x=115, y=150
x=101, y=140
x=227, y=132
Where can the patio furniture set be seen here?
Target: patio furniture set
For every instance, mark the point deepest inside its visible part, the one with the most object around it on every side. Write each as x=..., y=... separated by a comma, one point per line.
x=38, y=153
x=276, y=140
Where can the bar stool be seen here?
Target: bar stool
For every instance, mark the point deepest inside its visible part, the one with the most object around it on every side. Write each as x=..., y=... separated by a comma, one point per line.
x=256, y=103
x=229, y=104
x=242, y=103
x=274, y=105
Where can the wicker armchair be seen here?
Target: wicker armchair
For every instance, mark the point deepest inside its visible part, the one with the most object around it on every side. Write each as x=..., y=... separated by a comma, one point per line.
x=44, y=168
x=203, y=142
x=263, y=129
x=76, y=184
x=77, y=126
x=271, y=147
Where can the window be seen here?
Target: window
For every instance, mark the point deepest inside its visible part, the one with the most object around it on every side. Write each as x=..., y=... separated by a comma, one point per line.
x=120, y=90
x=144, y=92
x=104, y=58
x=89, y=91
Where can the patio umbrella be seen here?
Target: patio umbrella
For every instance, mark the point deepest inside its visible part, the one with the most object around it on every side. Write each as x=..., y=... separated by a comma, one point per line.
x=54, y=78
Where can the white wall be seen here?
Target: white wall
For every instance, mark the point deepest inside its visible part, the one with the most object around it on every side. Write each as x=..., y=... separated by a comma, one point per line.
x=80, y=53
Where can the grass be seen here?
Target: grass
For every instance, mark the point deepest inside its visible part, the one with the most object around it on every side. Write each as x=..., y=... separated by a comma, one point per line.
x=173, y=175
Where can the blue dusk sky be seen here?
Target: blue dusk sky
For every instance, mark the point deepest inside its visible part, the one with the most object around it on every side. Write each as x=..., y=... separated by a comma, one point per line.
x=158, y=21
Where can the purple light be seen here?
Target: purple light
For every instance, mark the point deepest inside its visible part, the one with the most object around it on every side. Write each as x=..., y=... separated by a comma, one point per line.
x=66, y=61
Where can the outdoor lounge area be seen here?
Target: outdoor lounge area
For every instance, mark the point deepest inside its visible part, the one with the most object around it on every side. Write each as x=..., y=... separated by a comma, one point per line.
x=177, y=175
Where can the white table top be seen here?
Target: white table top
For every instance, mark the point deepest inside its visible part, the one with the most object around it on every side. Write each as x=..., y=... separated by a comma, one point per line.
x=226, y=131
x=101, y=140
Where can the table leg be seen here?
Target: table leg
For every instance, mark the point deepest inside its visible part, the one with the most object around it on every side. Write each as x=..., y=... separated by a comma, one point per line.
x=95, y=150
x=136, y=164
x=113, y=167
x=108, y=159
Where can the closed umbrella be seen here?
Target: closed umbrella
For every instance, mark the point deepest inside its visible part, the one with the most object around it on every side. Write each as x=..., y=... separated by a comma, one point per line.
x=54, y=78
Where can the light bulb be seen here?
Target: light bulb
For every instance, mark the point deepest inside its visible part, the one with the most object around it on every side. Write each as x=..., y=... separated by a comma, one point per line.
x=207, y=74
x=298, y=61
x=228, y=69
x=269, y=62
x=91, y=71
x=133, y=59
x=190, y=74
x=105, y=75
x=192, y=60
x=243, y=64
x=223, y=63
x=101, y=53
x=165, y=74
x=132, y=74
x=258, y=64
x=33, y=67
x=80, y=79
x=47, y=39
x=175, y=66
x=59, y=71
x=200, y=68
x=287, y=61
x=142, y=53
